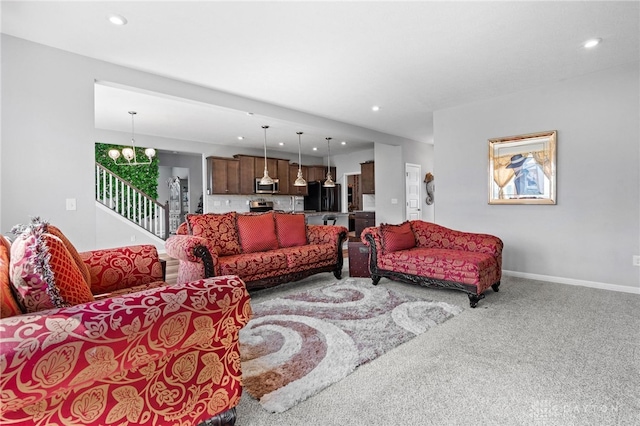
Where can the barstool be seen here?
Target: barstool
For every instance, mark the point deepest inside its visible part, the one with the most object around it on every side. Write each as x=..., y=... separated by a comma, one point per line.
x=327, y=217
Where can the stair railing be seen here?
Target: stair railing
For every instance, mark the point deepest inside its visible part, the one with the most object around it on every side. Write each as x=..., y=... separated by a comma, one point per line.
x=132, y=204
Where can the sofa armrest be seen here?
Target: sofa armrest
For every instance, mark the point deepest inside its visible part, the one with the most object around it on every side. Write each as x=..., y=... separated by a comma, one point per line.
x=51, y=352
x=435, y=236
x=324, y=234
x=374, y=231
x=122, y=267
x=182, y=247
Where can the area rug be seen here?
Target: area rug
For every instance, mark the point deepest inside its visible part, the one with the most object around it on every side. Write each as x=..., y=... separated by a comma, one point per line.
x=298, y=345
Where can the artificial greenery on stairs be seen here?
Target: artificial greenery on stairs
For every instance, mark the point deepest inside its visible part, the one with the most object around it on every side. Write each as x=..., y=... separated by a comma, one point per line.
x=143, y=177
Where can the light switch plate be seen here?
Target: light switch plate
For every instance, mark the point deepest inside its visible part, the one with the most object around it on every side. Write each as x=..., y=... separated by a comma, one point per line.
x=71, y=203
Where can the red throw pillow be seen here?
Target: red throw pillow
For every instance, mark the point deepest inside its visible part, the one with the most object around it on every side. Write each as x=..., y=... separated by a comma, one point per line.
x=291, y=229
x=257, y=232
x=397, y=237
x=43, y=272
x=219, y=228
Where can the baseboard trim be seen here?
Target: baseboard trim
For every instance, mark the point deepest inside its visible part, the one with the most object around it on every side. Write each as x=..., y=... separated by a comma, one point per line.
x=571, y=281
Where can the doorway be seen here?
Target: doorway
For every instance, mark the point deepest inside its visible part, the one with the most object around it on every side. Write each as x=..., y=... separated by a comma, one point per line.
x=413, y=191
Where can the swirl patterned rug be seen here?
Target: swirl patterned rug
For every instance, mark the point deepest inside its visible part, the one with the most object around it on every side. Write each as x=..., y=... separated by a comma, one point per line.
x=298, y=345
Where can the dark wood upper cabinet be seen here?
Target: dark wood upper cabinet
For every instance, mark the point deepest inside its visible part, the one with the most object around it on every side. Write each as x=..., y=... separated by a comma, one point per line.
x=368, y=177
x=283, y=176
x=224, y=174
x=247, y=174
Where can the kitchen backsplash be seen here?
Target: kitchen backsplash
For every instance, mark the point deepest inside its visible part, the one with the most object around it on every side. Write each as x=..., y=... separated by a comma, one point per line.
x=240, y=203
x=368, y=202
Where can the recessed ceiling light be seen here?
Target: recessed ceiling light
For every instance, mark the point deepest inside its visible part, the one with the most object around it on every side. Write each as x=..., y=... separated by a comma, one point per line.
x=375, y=108
x=117, y=19
x=343, y=142
x=315, y=148
x=592, y=43
x=240, y=138
x=281, y=143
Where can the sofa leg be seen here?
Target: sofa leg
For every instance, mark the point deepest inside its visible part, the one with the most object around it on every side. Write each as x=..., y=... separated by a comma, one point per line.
x=474, y=299
x=226, y=418
x=375, y=279
x=337, y=273
x=496, y=287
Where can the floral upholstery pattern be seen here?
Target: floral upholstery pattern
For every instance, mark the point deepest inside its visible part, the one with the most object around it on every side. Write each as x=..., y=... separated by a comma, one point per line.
x=309, y=254
x=165, y=355
x=217, y=227
x=444, y=254
x=123, y=267
x=253, y=263
x=320, y=253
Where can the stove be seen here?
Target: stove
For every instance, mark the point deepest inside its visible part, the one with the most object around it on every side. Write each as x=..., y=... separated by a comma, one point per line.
x=260, y=206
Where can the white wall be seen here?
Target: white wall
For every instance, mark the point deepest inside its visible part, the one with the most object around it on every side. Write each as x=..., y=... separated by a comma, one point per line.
x=422, y=154
x=390, y=184
x=47, y=111
x=593, y=231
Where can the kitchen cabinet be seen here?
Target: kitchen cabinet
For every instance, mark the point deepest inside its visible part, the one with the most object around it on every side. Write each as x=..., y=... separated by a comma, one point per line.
x=364, y=220
x=224, y=175
x=247, y=173
x=368, y=177
x=320, y=173
x=283, y=176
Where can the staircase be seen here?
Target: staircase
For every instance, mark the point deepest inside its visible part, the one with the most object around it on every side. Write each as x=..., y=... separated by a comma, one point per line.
x=124, y=199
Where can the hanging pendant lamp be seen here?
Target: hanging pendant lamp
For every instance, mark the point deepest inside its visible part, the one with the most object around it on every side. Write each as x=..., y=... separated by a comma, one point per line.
x=299, y=180
x=129, y=153
x=266, y=180
x=329, y=183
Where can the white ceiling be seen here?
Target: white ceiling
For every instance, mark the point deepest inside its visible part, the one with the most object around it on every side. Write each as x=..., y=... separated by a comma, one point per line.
x=331, y=59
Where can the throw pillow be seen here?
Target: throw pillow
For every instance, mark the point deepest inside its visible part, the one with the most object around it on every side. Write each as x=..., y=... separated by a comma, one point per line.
x=257, y=232
x=84, y=269
x=8, y=305
x=397, y=237
x=43, y=273
x=291, y=229
x=220, y=228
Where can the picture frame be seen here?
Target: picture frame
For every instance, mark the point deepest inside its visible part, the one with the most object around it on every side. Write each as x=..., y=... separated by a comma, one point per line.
x=522, y=169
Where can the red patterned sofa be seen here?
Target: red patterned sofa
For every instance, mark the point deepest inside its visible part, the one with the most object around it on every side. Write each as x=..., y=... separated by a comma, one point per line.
x=434, y=256
x=135, y=351
x=264, y=249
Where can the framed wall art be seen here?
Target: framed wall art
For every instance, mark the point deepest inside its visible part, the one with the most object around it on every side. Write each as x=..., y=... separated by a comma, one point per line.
x=522, y=169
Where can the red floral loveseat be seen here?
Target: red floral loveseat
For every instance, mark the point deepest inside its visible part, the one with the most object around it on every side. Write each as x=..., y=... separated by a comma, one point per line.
x=434, y=256
x=137, y=351
x=264, y=250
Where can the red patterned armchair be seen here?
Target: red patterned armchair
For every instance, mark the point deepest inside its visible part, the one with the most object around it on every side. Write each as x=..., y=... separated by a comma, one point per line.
x=434, y=256
x=264, y=250
x=138, y=351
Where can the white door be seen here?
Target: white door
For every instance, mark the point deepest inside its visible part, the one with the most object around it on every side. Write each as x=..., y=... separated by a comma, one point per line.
x=413, y=186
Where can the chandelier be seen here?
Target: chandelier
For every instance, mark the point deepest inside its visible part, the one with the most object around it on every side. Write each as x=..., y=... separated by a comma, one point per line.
x=329, y=183
x=300, y=180
x=129, y=153
x=266, y=180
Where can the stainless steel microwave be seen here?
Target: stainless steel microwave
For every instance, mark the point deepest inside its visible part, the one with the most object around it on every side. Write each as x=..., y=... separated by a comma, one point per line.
x=267, y=189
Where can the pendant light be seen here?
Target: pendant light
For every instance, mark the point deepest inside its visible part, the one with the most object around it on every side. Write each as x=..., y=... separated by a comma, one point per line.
x=329, y=183
x=300, y=180
x=266, y=180
x=129, y=153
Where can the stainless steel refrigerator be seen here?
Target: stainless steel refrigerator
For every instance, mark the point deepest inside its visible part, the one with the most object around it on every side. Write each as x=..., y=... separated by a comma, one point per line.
x=322, y=199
